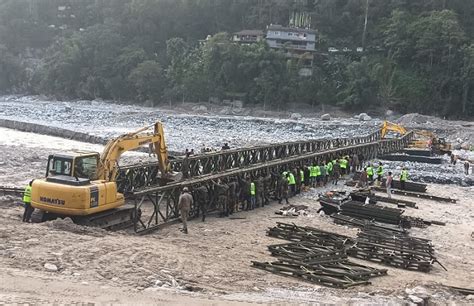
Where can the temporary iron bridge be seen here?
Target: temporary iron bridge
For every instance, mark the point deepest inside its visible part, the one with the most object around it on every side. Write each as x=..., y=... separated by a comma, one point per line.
x=156, y=205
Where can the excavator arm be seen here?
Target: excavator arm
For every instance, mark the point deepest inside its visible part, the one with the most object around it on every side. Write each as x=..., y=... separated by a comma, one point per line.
x=389, y=126
x=107, y=169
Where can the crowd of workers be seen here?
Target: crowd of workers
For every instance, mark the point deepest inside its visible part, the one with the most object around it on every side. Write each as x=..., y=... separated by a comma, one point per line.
x=248, y=193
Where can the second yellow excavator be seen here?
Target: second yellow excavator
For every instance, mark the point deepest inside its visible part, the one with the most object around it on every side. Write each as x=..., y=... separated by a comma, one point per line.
x=388, y=126
x=81, y=184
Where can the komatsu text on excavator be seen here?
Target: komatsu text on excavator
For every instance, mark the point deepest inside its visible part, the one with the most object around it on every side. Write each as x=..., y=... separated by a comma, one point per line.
x=81, y=184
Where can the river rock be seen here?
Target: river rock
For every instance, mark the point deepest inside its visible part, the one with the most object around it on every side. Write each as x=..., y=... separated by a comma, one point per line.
x=326, y=117
x=50, y=267
x=465, y=145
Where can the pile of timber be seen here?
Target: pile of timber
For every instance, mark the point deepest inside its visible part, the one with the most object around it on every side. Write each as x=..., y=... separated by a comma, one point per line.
x=418, y=152
x=362, y=194
x=309, y=234
x=394, y=249
x=372, y=212
x=363, y=223
x=409, y=186
x=413, y=158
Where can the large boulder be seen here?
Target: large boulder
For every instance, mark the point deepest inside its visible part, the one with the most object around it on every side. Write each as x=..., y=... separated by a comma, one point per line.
x=326, y=117
x=200, y=108
x=295, y=116
x=364, y=117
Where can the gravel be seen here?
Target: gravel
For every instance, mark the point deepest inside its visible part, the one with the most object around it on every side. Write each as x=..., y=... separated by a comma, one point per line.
x=182, y=130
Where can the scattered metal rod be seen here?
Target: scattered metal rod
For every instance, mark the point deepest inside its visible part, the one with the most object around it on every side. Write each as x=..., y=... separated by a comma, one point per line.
x=17, y=191
x=398, y=250
x=418, y=195
x=465, y=291
x=318, y=264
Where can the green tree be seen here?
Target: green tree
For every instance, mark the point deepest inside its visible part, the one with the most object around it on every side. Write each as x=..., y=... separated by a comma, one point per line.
x=149, y=81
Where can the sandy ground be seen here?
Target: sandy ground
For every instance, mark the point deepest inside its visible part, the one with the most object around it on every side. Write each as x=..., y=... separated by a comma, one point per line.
x=211, y=265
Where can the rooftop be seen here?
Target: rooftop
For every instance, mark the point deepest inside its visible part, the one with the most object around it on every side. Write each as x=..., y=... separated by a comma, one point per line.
x=250, y=32
x=276, y=27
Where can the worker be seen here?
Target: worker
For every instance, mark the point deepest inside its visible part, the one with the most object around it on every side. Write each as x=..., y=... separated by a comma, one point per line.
x=312, y=176
x=222, y=191
x=259, y=192
x=466, y=167
x=301, y=179
x=322, y=170
x=336, y=168
x=27, y=201
x=343, y=165
x=379, y=173
x=355, y=162
x=225, y=147
x=245, y=192
x=185, y=166
x=328, y=168
x=283, y=189
x=233, y=202
x=201, y=194
x=184, y=205
x=267, y=183
x=370, y=173
x=363, y=179
x=318, y=175
x=388, y=184
x=292, y=183
x=403, y=178
x=253, y=195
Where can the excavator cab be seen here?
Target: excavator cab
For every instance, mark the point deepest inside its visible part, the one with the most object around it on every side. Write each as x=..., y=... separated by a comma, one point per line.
x=78, y=165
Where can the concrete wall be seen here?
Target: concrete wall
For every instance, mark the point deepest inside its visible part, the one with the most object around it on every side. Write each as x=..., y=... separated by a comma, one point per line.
x=51, y=131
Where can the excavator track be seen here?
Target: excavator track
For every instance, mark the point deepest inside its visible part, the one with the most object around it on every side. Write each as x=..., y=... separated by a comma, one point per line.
x=115, y=219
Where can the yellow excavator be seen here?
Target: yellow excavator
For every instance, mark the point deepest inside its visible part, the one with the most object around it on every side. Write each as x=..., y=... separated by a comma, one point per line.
x=388, y=126
x=81, y=184
x=423, y=139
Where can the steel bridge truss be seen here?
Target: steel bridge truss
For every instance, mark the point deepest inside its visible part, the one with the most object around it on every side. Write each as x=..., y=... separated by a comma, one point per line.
x=131, y=178
x=156, y=206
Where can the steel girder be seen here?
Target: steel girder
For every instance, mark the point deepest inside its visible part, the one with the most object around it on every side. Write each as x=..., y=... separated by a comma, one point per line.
x=131, y=178
x=163, y=200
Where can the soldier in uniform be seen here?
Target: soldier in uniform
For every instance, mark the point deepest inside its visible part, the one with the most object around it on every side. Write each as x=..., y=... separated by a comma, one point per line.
x=233, y=197
x=267, y=181
x=201, y=195
x=259, y=191
x=283, y=192
x=222, y=191
x=245, y=192
x=184, y=205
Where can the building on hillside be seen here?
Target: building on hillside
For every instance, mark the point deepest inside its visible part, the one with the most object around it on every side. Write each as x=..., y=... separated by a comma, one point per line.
x=248, y=36
x=296, y=42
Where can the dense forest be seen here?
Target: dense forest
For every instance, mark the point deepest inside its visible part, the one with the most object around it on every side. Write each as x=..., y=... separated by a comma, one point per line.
x=418, y=54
